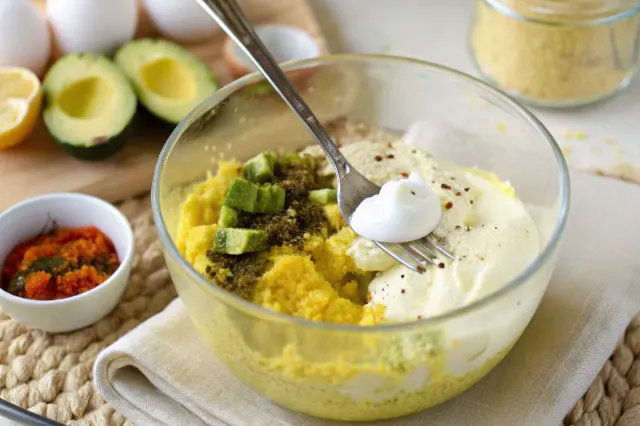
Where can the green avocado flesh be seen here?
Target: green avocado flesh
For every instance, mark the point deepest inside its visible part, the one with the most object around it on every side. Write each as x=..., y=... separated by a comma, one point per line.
x=249, y=197
x=228, y=217
x=323, y=196
x=261, y=167
x=169, y=80
x=239, y=241
x=89, y=105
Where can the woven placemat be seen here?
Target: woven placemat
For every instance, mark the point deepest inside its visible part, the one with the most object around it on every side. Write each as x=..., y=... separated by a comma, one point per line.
x=51, y=374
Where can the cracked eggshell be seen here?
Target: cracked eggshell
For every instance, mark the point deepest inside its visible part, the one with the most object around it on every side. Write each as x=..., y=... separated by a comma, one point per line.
x=180, y=20
x=24, y=36
x=285, y=44
x=97, y=26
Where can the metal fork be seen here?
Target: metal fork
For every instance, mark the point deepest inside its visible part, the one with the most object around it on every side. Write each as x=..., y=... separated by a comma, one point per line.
x=353, y=187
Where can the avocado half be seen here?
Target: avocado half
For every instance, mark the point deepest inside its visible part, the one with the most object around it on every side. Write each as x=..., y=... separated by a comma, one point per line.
x=169, y=80
x=89, y=106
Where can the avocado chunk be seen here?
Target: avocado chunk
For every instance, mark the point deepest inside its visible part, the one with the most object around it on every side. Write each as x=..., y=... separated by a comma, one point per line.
x=270, y=199
x=90, y=106
x=323, y=196
x=239, y=240
x=250, y=197
x=242, y=195
x=296, y=160
x=276, y=195
x=260, y=168
x=228, y=217
x=169, y=80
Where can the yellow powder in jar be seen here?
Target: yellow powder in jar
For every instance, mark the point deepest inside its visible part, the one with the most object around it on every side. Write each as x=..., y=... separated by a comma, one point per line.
x=556, y=59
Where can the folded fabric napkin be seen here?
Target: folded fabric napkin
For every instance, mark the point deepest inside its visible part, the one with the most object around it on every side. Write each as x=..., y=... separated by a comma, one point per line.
x=162, y=373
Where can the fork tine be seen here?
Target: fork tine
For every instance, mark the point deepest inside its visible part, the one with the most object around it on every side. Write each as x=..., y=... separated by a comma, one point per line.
x=424, y=257
x=424, y=246
x=417, y=268
x=412, y=254
x=440, y=249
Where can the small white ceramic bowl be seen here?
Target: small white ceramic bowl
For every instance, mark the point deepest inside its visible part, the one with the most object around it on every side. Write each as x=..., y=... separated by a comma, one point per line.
x=27, y=219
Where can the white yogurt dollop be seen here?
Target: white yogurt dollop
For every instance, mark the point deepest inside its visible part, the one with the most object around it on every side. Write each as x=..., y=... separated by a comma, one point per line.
x=404, y=210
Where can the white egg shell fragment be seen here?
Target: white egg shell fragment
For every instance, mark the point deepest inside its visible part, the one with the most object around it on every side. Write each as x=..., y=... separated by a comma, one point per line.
x=285, y=44
x=181, y=20
x=97, y=26
x=24, y=36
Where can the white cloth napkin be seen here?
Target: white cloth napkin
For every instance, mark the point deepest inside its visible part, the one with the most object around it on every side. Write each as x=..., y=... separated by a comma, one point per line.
x=161, y=373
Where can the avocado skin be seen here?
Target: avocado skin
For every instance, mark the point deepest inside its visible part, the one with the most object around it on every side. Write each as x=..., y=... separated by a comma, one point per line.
x=142, y=48
x=112, y=144
x=102, y=151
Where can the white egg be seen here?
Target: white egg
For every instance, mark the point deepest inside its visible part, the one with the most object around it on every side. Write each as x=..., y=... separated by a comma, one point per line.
x=98, y=26
x=24, y=36
x=181, y=20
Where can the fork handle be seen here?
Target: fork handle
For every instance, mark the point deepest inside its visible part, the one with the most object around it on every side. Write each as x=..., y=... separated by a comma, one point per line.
x=232, y=20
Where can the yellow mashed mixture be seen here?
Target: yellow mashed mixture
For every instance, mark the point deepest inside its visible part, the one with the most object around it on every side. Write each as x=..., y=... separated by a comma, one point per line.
x=345, y=376
x=311, y=283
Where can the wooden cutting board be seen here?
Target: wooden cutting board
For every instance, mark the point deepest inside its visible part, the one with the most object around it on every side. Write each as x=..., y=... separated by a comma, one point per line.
x=38, y=166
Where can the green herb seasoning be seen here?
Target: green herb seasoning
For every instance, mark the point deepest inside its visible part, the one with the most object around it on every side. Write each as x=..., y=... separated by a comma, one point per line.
x=297, y=175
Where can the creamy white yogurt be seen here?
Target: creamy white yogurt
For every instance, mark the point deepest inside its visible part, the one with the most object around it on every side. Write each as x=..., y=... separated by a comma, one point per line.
x=501, y=243
x=404, y=210
x=369, y=257
x=494, y=238
x=484, y=224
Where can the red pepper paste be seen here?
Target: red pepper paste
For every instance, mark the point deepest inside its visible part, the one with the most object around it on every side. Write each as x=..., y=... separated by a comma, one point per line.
x=61, y=263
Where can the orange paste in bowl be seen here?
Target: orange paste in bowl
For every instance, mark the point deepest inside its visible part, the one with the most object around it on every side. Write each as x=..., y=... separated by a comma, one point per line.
x=61, y=263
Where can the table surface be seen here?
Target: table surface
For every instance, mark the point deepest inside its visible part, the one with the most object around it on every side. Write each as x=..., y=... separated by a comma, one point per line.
x=437, y=31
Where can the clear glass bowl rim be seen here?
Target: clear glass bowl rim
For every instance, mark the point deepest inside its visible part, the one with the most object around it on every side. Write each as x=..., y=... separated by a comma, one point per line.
x=231, y=299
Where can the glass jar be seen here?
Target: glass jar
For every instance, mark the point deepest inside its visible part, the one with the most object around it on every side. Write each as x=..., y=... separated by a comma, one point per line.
x=557, y=53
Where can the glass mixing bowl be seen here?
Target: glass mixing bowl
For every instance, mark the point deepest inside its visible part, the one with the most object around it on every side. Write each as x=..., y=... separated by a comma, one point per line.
x=351, y=372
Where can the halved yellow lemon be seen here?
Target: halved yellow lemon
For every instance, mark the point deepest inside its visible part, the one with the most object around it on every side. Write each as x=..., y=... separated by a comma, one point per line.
x=20, y=103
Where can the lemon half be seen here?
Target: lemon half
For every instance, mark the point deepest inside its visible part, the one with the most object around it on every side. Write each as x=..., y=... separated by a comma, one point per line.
x=20, y=104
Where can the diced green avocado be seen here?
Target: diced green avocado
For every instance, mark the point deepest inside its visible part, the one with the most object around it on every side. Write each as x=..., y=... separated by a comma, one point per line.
x=293, y=159
x=249, y=197
x=169, y=80
x=323, y=196
x=263, y=201
x=228, y=217
x=275, y=195
x=239, y=240
x=90, y=106
x=261, y=167
x=242, y=195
